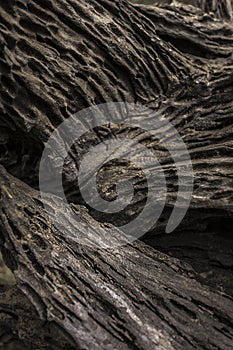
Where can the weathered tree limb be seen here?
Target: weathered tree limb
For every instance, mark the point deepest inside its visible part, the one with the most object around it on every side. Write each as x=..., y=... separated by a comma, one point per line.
x=206, y=50
x=57, y=58
x=132, y=297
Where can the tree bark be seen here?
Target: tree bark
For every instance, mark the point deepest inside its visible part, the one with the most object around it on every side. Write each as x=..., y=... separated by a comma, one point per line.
x=57, y=58
x=132, y=297
x=221, y=9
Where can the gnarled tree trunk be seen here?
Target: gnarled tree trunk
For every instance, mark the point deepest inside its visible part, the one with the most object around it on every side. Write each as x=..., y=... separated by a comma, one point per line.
x=57, y=58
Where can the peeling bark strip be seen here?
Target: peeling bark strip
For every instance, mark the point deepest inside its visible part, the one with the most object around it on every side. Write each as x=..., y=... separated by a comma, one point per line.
x=57, y=58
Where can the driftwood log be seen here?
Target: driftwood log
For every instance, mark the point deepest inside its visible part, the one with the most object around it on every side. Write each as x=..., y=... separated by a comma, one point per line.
x=57, y=58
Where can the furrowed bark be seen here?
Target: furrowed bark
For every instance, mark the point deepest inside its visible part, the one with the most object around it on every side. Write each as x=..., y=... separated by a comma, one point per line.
x=222, y=9
x=59, y=57
x=21, y=328
x=131, y=297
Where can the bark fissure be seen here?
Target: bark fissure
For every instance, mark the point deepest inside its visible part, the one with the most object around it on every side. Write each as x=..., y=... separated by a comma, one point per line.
x=57, y=58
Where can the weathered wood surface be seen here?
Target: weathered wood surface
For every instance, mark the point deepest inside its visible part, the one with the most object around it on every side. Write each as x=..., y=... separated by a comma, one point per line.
x=220, y=9
x=55, y=59
x=132, y=297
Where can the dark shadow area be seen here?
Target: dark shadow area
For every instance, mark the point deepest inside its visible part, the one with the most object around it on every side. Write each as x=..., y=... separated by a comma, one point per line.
x=205, y=244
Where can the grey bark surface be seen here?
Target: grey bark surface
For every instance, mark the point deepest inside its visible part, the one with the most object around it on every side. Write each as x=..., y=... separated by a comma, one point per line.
x=132, y=297
x=57, y=58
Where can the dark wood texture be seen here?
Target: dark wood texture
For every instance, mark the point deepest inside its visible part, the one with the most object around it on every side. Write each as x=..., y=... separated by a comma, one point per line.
x=132, y=297
x=57, y=58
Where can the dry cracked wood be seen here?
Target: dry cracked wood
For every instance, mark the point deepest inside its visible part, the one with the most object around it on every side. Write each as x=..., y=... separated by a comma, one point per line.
x=221, y=9
x=131, y=297
x=55, y=59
